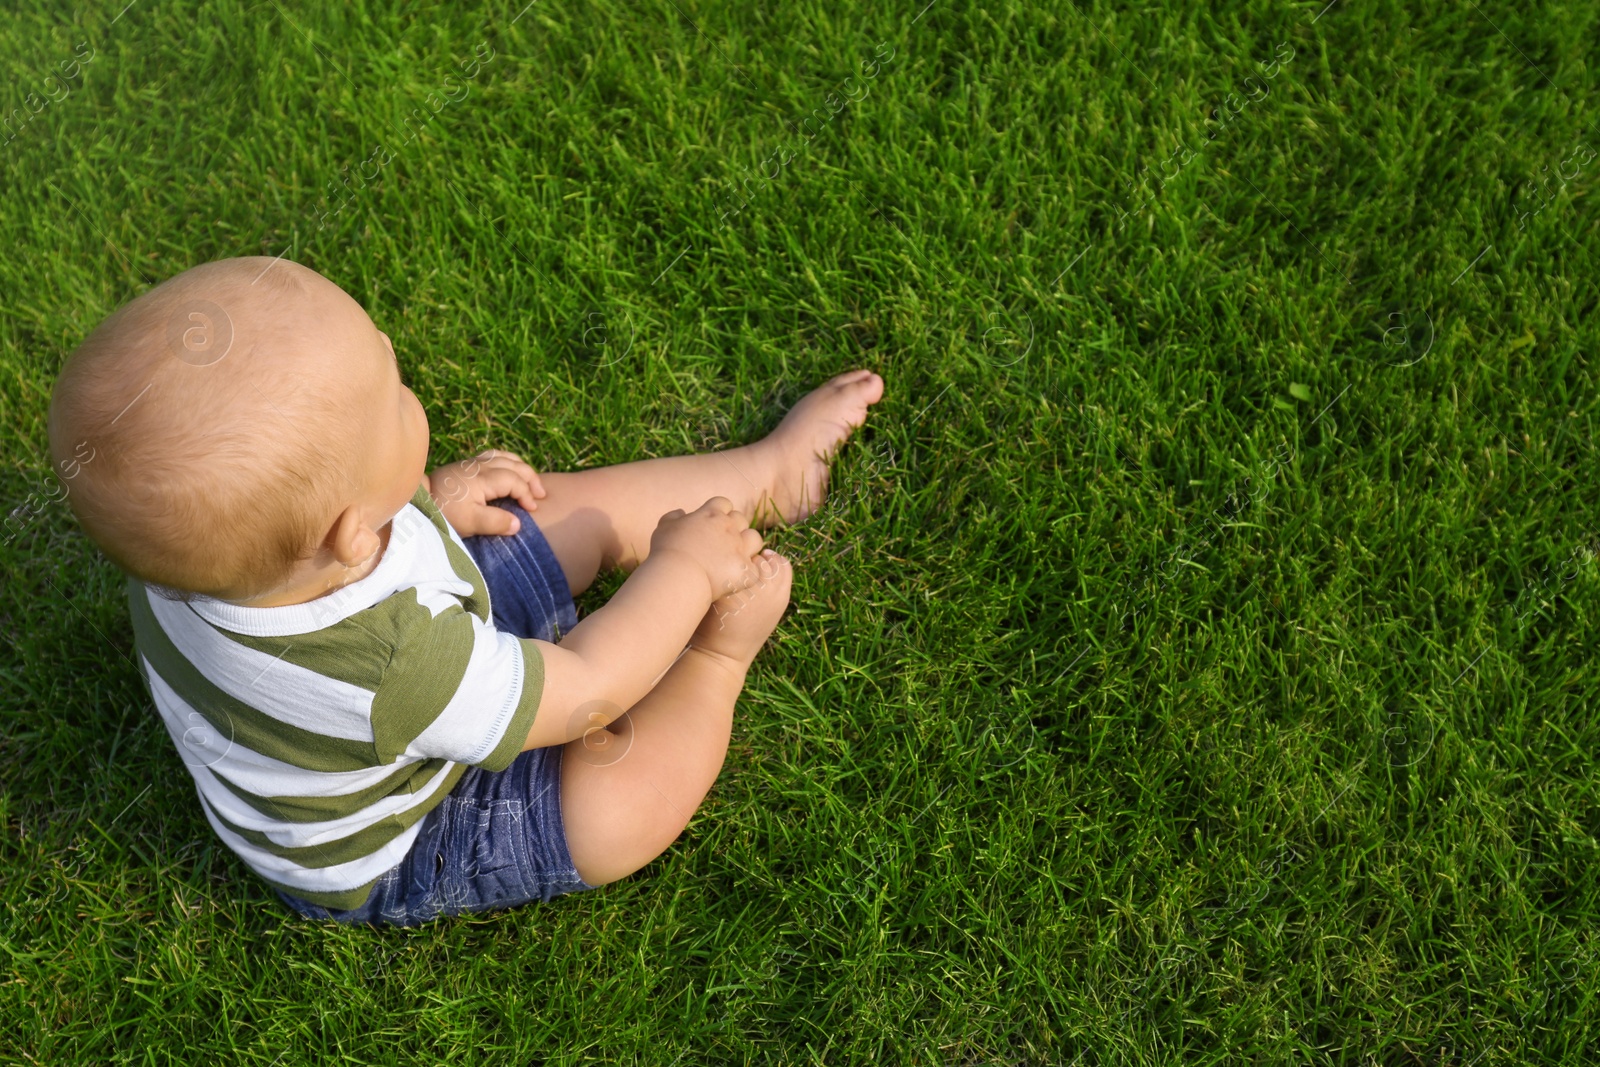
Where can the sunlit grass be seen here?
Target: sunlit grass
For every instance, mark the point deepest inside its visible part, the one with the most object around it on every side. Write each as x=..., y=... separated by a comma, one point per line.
x=1196, y=662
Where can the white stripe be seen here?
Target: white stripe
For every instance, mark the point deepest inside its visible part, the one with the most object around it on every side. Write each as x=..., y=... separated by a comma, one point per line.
x=437, y=596
x=432, y=559
x=276, y=687
x=199, y=743
x=310, y=834
x=475, y=720
x=335, y=879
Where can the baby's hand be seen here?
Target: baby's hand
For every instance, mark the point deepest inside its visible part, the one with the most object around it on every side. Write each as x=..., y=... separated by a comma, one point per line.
x=716, y=537
x=463, y=491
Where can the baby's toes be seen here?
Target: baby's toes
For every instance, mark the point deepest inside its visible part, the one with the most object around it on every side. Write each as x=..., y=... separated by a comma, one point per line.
x=864, y=382
x=738, y=624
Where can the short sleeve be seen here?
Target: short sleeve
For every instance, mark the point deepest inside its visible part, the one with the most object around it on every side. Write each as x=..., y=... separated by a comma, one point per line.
x=457, y=689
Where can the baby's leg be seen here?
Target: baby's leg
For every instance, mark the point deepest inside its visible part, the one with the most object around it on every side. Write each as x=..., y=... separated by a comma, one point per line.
x=603, y=517
x=628, y=791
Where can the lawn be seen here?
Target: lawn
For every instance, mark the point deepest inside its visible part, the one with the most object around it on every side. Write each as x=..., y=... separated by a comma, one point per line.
x=1194, y=665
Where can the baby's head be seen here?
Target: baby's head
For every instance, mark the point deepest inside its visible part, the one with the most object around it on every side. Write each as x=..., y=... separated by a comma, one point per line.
x=237, y=431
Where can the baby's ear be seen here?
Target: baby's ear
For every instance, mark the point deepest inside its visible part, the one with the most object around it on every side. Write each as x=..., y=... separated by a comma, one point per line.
x=351, y=539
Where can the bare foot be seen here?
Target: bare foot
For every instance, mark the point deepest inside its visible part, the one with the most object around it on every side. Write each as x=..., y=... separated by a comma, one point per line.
x=797, y=453
x=738, y=625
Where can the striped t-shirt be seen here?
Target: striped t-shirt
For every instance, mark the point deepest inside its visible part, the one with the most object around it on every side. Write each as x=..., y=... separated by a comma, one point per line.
x=320, y=734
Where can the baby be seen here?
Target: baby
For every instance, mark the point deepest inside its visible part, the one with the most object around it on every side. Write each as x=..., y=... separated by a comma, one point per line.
x=376, y=675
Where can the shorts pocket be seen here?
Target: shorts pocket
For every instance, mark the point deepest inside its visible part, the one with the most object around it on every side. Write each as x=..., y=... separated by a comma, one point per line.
x=481, y=860
x=499, y=868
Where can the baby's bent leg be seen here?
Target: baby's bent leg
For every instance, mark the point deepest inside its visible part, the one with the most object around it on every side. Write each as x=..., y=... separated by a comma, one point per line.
x=627, y=791
x=625, y=800
x=603, y=517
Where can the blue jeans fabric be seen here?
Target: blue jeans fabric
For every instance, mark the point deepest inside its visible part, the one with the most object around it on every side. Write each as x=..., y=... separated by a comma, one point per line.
x=497, y=840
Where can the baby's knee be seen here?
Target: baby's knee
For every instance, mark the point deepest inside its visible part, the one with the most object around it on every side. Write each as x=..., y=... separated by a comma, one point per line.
x=628, y=848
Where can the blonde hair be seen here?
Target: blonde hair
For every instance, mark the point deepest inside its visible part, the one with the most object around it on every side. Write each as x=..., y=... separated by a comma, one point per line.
x=216, y=459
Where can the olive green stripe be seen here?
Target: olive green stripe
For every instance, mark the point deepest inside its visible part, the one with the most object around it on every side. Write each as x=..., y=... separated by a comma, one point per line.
x=363, y=842
x=516, y=735
x=406, y=779
x=342, y=900
x=343, y=651
x=467, y=571
x=423, y=676
x=233, y=718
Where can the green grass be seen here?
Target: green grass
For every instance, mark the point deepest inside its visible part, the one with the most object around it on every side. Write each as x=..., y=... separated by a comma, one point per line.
x=1043, y=767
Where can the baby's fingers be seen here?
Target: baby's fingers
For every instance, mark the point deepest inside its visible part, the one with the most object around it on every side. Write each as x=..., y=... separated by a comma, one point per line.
x=493, y=520
x=502, y=481
x=512, y=461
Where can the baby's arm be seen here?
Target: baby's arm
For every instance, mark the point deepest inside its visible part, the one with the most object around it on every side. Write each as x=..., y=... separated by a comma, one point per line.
x=613, y=657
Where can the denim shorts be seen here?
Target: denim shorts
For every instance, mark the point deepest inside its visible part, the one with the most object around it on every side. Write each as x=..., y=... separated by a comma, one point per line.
x=497, y=840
